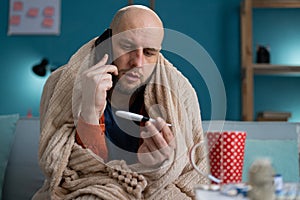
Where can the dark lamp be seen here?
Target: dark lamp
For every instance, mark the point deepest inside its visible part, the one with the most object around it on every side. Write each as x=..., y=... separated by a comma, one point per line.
x=41, y=68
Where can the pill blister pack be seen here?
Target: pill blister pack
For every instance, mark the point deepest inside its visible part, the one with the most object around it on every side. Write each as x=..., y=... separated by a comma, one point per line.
x=289, y=191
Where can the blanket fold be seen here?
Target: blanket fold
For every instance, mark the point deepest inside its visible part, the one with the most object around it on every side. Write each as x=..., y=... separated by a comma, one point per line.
x=72, y=172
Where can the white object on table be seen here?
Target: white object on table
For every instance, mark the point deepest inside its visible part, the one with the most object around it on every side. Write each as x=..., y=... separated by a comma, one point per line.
x=215, y=195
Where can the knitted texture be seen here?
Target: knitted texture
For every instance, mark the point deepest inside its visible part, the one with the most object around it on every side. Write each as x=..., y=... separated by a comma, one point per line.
x=72, y=172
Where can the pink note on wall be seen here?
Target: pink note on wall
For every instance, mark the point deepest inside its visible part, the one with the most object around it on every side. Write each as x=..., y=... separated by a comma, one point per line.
x=33, y=12
x=18, y=6
x=15, y=20
x=48, y=22
x=34, y=17
x=48, y=11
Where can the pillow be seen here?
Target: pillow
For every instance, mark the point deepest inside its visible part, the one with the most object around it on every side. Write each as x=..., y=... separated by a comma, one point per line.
x=282, y=153
x=7, y=133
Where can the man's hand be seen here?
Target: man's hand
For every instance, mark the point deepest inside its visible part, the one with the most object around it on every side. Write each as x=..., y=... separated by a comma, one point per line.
x=96, y=81
x=158, y=144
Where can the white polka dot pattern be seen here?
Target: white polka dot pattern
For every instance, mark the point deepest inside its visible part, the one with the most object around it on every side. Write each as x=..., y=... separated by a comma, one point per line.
x=226, y=155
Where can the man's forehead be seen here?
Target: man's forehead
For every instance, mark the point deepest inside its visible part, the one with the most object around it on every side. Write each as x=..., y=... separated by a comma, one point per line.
x=149, y=36
x=142, y=32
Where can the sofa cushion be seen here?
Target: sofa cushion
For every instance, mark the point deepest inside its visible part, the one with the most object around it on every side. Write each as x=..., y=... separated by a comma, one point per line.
x=7, y=133
x=23, y=171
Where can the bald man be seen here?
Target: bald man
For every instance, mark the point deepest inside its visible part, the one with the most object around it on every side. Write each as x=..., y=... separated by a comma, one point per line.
x=88, y=152
x=137, y=37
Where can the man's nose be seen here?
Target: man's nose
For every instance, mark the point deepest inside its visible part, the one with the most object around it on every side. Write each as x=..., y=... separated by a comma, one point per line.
x=136, y=58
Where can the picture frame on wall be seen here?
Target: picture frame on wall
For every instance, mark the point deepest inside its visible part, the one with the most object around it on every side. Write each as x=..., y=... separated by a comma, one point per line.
x=34, y=17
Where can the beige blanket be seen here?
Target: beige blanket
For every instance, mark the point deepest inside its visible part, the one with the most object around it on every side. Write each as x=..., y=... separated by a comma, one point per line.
x=72, y=172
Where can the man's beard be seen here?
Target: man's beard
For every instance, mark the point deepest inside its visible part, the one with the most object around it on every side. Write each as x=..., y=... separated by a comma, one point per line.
x=124, y=88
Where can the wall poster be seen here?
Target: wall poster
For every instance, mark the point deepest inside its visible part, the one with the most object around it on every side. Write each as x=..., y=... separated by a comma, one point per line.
x=34, y=17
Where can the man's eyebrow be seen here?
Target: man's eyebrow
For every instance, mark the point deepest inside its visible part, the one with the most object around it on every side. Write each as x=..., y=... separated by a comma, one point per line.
x=152, y=49
x=125, y=40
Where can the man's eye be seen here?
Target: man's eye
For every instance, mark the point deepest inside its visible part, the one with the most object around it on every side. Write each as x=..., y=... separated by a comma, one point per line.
x=126, y=46
x=149, y=52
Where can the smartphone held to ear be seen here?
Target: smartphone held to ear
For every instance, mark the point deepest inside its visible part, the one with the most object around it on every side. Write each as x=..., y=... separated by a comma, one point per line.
x=103, y=45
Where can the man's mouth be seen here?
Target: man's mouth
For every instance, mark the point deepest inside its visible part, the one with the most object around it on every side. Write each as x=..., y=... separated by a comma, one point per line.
x=132, y=76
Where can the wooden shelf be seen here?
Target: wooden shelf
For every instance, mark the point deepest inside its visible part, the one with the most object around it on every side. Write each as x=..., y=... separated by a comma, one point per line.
x=269, y=69
x=276, y=4
x=250, y=69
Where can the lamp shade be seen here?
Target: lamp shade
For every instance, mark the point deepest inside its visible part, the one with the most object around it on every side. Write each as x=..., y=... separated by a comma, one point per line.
x=41, y=68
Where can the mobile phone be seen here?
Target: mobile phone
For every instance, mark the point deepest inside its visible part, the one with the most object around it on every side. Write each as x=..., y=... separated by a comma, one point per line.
x=103, y=45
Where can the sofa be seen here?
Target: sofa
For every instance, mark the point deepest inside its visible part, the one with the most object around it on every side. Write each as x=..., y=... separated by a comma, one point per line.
x=22, y=176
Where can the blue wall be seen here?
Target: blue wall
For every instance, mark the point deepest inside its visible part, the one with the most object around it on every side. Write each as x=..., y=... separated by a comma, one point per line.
x=280, y=30
x=214, y=24
x=80, y=22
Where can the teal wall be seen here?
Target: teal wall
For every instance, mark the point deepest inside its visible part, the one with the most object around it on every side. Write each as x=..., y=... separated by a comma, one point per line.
x=280, y=30
x=214, y=24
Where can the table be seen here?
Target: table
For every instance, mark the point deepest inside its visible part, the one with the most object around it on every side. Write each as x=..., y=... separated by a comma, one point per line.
x=215, y=195
x=290, y=190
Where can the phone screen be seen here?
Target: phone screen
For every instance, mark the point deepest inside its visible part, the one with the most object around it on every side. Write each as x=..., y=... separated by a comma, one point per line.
x=103, y=45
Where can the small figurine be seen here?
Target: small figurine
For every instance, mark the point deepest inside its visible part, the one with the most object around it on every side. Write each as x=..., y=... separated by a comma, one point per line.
x=263, y=54
x=261, y=180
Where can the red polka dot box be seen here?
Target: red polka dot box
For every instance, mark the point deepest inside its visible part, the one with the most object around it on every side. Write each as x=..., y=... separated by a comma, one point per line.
x=226, y=155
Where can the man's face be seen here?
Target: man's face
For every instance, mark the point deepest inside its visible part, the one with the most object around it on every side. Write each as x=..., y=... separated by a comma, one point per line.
x=136, y=52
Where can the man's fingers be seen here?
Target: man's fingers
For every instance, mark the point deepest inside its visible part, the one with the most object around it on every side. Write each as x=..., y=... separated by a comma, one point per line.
x=156, y=142
x=103, y=69
x=156, y=136
x=166, y=131
x=97, y=68
x=106, y=81
x=103, y=60
x=149, y=154
x=155, y=148
x=149, y=141
x=100, y=63
x=145, y=156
